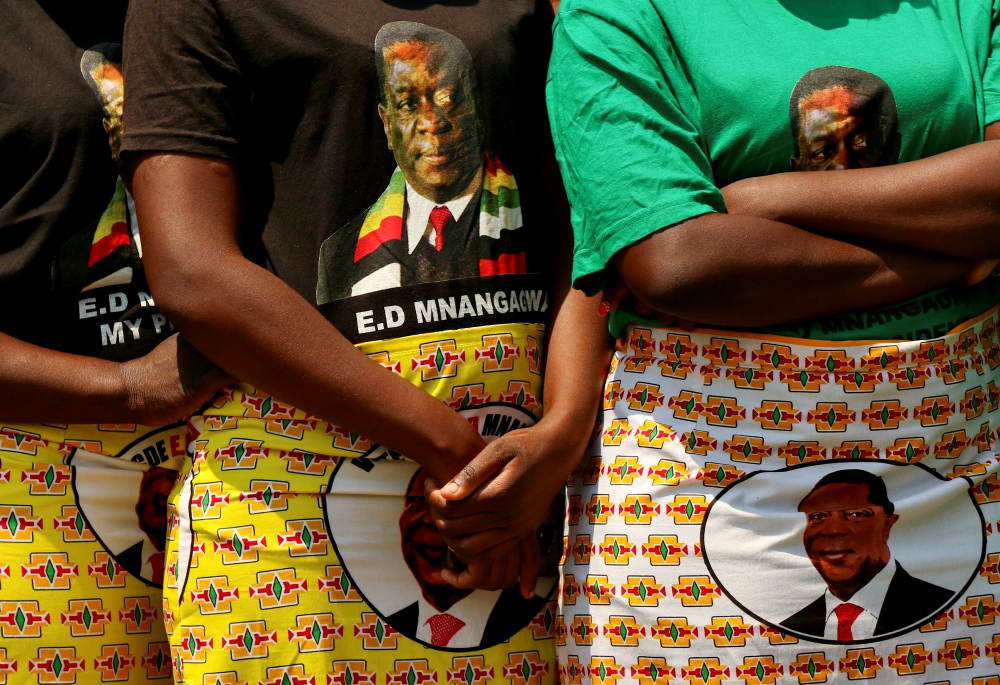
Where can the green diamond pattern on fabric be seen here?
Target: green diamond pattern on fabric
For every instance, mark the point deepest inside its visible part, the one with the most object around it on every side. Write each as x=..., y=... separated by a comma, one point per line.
x=705, y=673
x=747, y=449
x=87, y=617
x=776, y=416
x=695, y=591
x=653, y=671
x=674, y=633
x=469, y=673
x=20, y=619
x=50, y=570
x=238, y=544
x=637, y=509
x=439, y=363
x=379, y=630
x=12, y=524
x=759, y=671
x=728, y=630
x=803, y=378
x=958, y=653
x=285, y=680
x=499, y=352
x=57, y=666
x=811, y=667
x=861, y=663
x=50, y=476
x=749, y=375
x=548, y=618
x=622, y=630
x=276, y=588
x=137, y=613
x=265, y=406
x=980, y=610
x=597, y=589
x=268, y=495
x=110, y=569
x=930, y=354
x=116, y=663
x=884, y=359
x=935, y=410
x=664, y=551
x=720, y=475
x=192, y=644
x=213, y=596
x=678, y=348
x=689, y=510
x=802, y=451
x=909, y=451
x=725, y=353
x=316, y=632
x=722, y=412
x=909, y=374
x=831, y=418
x=345, y=585
x=615, y=549
x=858, y=378
x=884, y=416
x=910, y=659
x=642, y=591
x=693, y=440
x=78, y=525
x=411, y=676
x=603, y=671
x=306, y=536
x=830, y=364
x=689, y=407
x=670, y=473
x=248, y=640
x=205, y=501
x=775, y=359
x=856, y=453
x=643, y=396
x=520, y=397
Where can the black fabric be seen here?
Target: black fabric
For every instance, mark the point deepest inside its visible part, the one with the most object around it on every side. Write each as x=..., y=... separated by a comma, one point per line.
x=511, y=613
x=59, y=177
x=290, y=92
x=908, y=601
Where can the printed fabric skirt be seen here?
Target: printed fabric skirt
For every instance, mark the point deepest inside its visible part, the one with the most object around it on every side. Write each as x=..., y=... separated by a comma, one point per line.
x=83, y=522
x=300, y=553
x=774, y=510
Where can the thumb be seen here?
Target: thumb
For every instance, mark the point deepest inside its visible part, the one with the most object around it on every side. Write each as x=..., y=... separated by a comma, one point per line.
x=477, y=471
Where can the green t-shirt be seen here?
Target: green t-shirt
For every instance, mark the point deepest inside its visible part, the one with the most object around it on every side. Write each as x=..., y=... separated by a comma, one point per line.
x=656, y=104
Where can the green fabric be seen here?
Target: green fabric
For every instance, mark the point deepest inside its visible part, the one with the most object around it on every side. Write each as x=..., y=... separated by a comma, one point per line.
x=656, y=104
x=930, y=315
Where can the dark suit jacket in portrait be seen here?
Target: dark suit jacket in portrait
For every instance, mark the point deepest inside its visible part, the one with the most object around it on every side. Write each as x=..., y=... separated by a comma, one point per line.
x=908, y=601
x=511, y=613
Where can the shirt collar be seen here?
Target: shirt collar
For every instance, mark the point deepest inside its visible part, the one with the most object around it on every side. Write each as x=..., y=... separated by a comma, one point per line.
x=419, y=213
x=870, y=597
x=473, y=610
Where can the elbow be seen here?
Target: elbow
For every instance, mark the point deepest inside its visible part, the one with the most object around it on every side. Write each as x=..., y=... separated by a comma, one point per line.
x=186, y=291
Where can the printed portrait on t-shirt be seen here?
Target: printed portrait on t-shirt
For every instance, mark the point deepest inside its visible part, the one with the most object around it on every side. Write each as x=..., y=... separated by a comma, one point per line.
x=845, y=552
x=393, y=555
x=843, y=118
x=451, y=209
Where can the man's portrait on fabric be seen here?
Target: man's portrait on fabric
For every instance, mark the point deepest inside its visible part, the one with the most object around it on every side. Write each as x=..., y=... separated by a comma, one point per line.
x=843, y=118
x=385, y=537
x=451, y=209
x=845, y=552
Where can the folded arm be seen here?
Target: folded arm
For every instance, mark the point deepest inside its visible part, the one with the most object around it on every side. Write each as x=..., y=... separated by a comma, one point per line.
x=257, y=328
x=947, y=204
x=744, y=271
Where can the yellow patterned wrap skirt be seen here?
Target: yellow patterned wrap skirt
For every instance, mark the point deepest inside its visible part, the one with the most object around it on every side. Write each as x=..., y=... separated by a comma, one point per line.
x=300, y=553
x=764, y=510
x=82, y=533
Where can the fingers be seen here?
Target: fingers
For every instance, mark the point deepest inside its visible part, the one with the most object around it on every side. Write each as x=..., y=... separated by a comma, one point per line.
x=531, y=564
x=495, y=573
x=471, y=546
x=467, y=525
x=478, y=471
x=612, y=297
x=980, y=271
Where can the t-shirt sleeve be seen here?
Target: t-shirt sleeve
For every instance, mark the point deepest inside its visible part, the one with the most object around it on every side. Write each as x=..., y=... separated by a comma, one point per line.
x=625, y=125
x=991, y=78
x=183, y=89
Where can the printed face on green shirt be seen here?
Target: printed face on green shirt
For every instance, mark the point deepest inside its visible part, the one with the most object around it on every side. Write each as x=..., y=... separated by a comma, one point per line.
x=843, y=119
x=430, y=118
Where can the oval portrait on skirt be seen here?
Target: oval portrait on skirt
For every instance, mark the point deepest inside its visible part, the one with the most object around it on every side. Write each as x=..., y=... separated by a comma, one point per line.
x=845, y=552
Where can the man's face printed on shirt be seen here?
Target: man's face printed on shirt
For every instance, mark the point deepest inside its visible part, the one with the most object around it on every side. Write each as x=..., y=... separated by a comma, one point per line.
x=846, y=536
x=430, y=119
x=843, y=119
x=103, y=73
x=151, y=507
x=423, y=547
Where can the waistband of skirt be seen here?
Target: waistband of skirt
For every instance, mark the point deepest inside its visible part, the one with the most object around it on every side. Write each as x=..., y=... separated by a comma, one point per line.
x=973, y=343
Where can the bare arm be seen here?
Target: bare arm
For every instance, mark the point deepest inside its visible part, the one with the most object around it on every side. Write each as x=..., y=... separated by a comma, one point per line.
x=257, y=328
x=41, y=385
x=744, y=271
x=948, y=204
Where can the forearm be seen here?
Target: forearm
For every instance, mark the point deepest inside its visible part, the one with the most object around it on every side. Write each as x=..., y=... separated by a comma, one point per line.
x=743, y=271
x=54, y=387
x=258, y=329
x=948, y=204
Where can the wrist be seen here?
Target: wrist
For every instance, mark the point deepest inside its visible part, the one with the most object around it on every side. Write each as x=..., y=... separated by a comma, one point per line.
x=569, y=433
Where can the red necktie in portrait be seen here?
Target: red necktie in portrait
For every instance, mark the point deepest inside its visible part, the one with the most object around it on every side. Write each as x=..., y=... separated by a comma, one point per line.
x=444, y=626
x=847, y=613
x=440, y=216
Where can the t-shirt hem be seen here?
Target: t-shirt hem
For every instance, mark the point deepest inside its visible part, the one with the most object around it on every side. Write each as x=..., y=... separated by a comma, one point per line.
x=992, y=111
x=590, y=264
x=199, y=144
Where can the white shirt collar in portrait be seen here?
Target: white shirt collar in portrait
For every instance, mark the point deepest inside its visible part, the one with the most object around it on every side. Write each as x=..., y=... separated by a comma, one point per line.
x=870, y=598
x=419, y=215
x=473, y=610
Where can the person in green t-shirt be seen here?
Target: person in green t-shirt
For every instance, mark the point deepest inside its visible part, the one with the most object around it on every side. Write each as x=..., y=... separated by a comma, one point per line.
x=846, y=336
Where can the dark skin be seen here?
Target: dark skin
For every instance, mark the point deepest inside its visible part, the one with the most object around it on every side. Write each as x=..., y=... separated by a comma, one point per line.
x=423, y=545
x=188, y=210
x=795, y=246
x=846, y=536
x=430, y=122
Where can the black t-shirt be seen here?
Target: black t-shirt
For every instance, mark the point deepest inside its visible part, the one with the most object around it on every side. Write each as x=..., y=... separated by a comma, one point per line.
x=292, y=92
x=71, y=276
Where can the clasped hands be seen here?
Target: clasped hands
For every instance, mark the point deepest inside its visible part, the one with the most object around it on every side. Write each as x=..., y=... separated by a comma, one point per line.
x=489, y=513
